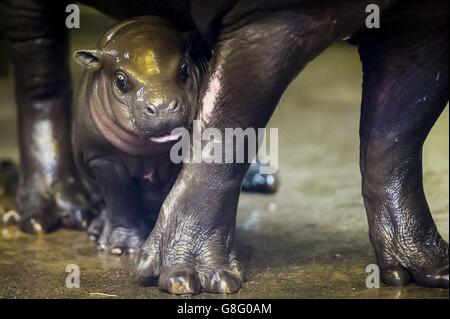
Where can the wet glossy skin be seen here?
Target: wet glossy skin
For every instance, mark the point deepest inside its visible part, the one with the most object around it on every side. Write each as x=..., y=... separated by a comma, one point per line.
x=151, y=59
x=315, y=247
x=405, y=89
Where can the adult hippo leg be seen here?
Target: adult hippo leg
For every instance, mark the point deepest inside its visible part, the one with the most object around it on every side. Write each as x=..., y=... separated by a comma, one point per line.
x=191, y=246
x=405, y=91
x=49, y=194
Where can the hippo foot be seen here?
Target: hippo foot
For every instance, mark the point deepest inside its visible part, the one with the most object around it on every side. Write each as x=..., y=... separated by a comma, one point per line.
x=45, y=208
x=188, y=263
x=116, y=239
x=424, y=263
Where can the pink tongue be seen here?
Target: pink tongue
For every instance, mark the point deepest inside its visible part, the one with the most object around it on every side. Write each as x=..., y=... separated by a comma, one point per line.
x=165, y=138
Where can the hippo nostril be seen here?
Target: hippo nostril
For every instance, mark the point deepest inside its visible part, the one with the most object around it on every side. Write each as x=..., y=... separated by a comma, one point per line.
x=173, y=106
x=150, y=110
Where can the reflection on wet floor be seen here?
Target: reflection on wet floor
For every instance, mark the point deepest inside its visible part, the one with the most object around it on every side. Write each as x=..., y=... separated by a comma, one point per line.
x=308, y=241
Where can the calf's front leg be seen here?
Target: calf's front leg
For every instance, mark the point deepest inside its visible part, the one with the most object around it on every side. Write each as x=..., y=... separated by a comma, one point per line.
x=121, y=228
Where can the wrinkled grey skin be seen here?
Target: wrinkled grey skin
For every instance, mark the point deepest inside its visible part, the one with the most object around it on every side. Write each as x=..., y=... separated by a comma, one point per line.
x=259, y=47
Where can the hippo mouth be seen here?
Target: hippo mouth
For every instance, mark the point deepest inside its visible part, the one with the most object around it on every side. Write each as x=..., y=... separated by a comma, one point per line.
x=165, y=137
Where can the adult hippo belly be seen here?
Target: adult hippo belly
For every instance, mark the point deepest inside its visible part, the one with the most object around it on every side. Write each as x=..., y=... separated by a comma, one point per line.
x=259, y=47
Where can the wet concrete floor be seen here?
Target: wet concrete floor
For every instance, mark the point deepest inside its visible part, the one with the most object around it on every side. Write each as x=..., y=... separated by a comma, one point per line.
x=308, y=241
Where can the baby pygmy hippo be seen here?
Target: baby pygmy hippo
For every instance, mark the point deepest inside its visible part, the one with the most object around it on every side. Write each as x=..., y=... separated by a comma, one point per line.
x=140, y=84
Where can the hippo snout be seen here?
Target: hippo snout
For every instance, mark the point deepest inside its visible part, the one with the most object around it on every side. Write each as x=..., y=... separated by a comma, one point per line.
x=152, y=118
x=159, y=110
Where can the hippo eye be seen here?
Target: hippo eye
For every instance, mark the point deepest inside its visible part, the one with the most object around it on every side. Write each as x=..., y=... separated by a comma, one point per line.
x=184, y=72
x=121, y=82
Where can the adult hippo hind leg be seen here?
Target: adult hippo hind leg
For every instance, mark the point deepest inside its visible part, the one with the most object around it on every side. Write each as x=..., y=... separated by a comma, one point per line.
x=405, y=91
x=256, y=57
x=49, y=193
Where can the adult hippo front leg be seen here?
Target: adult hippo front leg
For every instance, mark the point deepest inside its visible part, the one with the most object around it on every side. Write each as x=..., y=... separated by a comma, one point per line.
x=191, y=247
x=405, y=91
x=49, y=194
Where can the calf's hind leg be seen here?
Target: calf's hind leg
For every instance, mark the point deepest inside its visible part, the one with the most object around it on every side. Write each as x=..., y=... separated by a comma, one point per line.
x=405, y=91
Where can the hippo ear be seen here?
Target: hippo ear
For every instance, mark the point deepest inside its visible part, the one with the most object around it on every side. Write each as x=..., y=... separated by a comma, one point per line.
x=90, y=59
